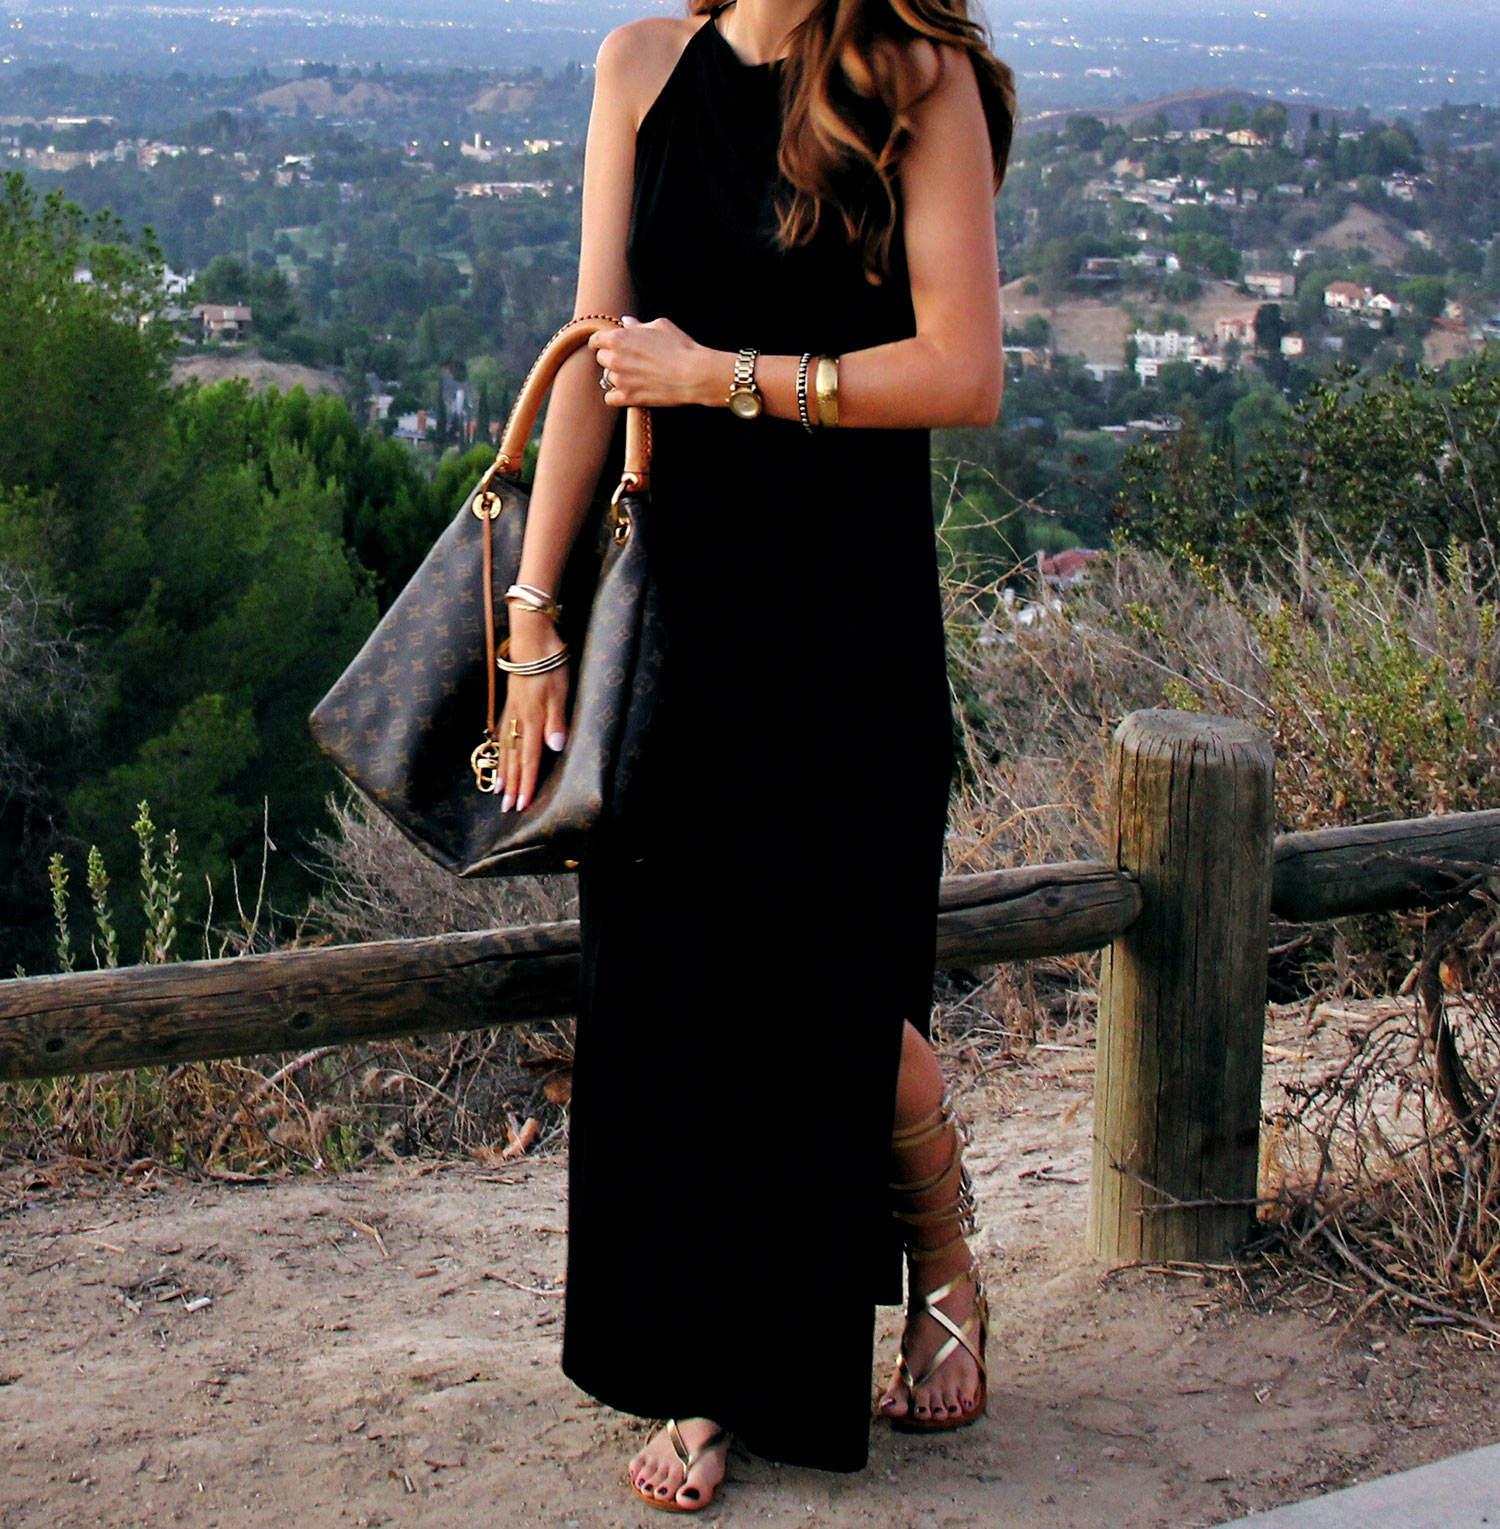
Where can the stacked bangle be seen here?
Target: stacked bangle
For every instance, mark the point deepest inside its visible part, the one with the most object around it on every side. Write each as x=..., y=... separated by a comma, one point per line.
x=532, y=666
x=802, y=410
x=530, y=597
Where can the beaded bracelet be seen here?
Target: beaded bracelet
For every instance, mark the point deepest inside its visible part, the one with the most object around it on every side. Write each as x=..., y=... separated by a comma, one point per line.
x=803, y=413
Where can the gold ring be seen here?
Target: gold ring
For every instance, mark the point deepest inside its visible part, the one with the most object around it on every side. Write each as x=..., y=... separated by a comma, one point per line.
x=513, y=739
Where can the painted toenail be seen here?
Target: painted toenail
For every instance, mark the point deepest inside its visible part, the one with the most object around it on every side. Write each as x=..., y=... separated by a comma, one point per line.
x=691, y=1492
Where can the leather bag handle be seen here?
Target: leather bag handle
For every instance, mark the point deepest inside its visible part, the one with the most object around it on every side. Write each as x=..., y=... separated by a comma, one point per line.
x=636, y=477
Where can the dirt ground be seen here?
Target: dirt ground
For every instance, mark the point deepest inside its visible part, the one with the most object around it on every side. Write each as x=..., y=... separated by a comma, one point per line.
x=1097, y=330
x=1361, y=227
x=381, y=1349
x=258, y=372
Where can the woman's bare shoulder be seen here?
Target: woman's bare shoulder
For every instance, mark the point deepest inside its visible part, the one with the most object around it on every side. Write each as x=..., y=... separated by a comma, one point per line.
x=635, y=60
x=922, y=68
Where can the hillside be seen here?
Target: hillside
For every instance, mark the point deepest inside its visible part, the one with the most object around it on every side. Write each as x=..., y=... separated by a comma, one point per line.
x=1185, y=110
x=1364, y=228
x=259, y=373
x=322, y=98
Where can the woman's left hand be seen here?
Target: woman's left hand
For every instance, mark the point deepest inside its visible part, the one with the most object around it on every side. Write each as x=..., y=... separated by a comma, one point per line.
x=657, y=366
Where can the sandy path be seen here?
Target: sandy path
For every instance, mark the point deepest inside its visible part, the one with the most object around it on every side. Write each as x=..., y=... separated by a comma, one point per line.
x=337, y=1377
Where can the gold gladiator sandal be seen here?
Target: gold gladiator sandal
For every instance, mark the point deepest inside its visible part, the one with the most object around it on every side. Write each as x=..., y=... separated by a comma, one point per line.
x=689, y=1459
x=957, y=1217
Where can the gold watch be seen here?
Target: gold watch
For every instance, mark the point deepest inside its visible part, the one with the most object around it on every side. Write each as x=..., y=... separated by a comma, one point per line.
x=744, y=397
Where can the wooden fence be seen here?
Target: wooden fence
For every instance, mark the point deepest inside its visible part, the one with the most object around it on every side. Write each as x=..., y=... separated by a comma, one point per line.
x=1182, y=914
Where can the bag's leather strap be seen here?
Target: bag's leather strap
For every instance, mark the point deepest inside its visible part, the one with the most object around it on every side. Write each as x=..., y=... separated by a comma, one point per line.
x=636, y=477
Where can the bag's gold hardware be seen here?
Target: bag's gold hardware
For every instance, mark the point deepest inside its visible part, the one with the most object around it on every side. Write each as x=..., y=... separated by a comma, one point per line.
x=620, y=519
x=570, y=865
x=486, y=762
x=487, y=506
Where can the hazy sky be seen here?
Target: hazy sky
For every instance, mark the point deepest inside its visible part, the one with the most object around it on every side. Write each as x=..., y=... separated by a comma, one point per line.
x=1438, y=12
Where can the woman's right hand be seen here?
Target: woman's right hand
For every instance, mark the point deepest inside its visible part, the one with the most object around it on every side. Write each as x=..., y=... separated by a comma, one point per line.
x=537, y=705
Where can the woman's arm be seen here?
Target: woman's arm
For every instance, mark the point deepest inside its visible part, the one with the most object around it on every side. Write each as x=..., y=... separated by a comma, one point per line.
x=951, y=372
x=633, y=63
x=576, y=435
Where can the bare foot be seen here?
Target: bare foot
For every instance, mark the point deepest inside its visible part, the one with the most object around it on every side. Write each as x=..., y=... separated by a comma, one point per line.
x=658, y=1471
x=954, y=1389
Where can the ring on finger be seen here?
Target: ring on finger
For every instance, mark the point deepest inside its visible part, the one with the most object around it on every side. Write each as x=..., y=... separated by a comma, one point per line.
x=604, y=383
x=513, y=737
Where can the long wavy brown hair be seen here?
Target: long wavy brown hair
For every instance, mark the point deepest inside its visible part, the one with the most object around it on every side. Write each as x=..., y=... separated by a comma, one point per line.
x=846, y=112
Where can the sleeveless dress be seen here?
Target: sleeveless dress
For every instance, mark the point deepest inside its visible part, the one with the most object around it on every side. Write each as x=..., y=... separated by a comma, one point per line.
x=760, y=921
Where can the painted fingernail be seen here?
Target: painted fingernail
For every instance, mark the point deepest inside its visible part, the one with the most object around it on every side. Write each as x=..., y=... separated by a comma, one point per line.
x=555, y=741
x=507, y=802
x=627, y=319
x=521, y=803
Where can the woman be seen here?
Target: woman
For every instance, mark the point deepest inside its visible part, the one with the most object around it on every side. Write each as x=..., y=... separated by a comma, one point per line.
x=770, y=183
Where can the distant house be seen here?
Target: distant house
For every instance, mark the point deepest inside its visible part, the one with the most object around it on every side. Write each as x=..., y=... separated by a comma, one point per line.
x=1151, y=258
x=1293, y=345
x=1064, y=569
x=501, y=191
x=1239, y=329
x=1153, y=351
x=1100, y=268
x=1246, y=138
x=230, y=322
x=1272, y=284
x=1346, y=295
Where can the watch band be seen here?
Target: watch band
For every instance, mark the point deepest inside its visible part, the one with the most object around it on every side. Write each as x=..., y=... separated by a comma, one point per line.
x=744, y=397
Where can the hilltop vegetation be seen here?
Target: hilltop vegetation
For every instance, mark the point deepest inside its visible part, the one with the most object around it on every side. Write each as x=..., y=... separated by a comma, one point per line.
x=186, y=572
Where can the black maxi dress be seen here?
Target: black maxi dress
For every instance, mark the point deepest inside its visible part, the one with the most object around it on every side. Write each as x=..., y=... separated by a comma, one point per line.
x=760, y=922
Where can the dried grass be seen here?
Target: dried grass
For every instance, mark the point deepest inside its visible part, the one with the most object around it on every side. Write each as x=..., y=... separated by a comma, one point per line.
x=1382, y=1164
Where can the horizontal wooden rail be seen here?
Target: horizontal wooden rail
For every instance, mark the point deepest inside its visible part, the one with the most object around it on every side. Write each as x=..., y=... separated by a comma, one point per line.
x=197, y=1010
x=1376, y=867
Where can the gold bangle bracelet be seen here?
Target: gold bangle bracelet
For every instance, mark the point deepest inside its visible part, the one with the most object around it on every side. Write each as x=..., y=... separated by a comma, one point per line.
x=532, y=666
x=826, y=386
x=530, y=598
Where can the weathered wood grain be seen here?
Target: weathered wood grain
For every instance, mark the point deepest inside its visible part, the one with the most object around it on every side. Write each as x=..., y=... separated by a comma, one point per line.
x=1182, y=991
x=1043, y=910
x=1376, y=866
x=198, y=1010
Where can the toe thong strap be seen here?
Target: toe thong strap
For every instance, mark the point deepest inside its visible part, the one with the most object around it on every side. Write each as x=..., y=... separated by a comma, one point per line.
x=690, y=1458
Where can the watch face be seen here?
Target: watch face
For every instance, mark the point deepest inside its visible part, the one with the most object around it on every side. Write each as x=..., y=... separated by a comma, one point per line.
x=746, y=404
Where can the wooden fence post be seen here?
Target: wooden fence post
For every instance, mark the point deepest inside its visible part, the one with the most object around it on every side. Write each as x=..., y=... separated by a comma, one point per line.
x=1182, y=992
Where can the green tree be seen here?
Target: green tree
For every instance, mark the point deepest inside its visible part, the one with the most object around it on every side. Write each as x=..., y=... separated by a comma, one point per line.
x=1398, y=466
x=1084, y=134
x=1425, y=296
x=83, y=365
